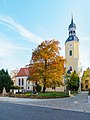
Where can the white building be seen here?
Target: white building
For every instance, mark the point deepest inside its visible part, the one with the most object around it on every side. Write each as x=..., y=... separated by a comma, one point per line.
x=22, y=79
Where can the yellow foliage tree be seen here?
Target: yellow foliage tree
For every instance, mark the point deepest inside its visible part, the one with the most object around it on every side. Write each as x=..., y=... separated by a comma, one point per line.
x=47, y=66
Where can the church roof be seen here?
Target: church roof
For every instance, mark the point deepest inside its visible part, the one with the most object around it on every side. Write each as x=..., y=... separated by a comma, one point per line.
x=72, y=38
x=72, y=25
x=23, y=72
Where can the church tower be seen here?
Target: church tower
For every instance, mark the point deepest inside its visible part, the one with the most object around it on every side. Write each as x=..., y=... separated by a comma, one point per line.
x=72, y=49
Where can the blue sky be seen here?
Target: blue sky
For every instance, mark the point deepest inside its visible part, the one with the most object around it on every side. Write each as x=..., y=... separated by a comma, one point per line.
x=26, y=23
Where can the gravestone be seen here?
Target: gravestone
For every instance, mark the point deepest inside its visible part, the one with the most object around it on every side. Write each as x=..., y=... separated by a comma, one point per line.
x=4, y=93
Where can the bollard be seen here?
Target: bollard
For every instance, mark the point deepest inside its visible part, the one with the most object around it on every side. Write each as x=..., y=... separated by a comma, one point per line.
x=69, y=93
x=89, y=96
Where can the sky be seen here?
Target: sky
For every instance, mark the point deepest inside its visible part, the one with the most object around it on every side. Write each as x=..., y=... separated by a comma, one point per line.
x=24, y=24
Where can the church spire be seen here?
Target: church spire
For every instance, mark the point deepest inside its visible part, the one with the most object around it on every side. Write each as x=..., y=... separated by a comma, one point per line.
x=72, y=25
x=72, y=31
x=71, y=18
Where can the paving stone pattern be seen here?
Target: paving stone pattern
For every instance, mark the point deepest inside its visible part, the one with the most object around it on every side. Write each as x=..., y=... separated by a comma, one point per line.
x=75, y=103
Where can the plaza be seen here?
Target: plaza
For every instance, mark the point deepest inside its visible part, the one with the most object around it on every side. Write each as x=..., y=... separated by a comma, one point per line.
x=74, y=103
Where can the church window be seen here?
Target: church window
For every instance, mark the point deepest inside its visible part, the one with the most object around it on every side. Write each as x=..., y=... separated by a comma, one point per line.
x=19, y=82
x=22, y=81
x=70, y=68
x=53, y=87
x=86, y=87
x=70, y=52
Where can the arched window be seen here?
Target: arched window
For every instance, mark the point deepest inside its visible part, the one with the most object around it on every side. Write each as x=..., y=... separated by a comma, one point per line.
x=70, y=68
x=70, y=52
x=22, y=81
x=19, y=82
x=86, y=87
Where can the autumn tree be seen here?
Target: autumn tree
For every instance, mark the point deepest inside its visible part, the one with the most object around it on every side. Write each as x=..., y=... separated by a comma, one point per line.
x=86, y=73
x=47, y=66
x=85, y=76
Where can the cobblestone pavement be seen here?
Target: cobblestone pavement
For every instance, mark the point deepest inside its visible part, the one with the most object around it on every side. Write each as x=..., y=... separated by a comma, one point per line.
x=76, y=103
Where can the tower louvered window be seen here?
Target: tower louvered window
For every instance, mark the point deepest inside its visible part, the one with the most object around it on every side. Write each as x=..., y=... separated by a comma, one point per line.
x=70, y=52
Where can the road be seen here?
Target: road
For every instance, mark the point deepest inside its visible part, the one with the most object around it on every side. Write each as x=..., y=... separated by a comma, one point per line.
x=75, y=103
x=12, y=111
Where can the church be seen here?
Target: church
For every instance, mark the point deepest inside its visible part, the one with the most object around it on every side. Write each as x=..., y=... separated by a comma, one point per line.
x=71, y=56
x=72, y=50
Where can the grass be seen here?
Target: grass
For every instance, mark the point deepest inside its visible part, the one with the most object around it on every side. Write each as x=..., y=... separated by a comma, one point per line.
x=41, y=95
x=74, y=92
x=53, y=94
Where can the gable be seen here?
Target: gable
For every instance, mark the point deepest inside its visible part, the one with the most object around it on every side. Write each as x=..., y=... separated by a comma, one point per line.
x=23, y=72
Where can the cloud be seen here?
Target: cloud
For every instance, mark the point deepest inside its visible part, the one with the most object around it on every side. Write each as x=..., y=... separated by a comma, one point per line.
x=7, y=20
x=8, y=48
x=9, y=64
x=84, y=39
x=13, y=55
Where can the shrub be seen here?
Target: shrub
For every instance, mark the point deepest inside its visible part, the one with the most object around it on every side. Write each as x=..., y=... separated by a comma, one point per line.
x=38, y=88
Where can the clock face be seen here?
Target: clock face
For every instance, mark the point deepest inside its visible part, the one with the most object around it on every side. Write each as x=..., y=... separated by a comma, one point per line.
x=70, y=45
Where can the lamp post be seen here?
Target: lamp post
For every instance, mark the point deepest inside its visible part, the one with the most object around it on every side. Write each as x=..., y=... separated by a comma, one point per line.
x=80, y=76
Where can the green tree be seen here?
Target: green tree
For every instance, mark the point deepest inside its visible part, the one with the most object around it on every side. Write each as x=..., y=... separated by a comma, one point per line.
x=47, y=66
x=73, y=81
x=5, y=80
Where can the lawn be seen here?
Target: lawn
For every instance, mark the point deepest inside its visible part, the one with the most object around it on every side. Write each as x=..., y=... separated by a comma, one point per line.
x=43, y=95
x=52, y=95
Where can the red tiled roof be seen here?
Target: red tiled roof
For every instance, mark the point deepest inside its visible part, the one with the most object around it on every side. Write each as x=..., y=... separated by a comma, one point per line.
x=23, y=72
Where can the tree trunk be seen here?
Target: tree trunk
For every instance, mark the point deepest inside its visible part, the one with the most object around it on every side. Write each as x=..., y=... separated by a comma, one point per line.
x=44, y=85
x=44, y=89
x=44, y=82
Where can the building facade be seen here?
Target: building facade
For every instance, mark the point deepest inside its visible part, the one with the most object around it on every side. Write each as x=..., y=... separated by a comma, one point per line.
x=86, y=83
x=86, y=80
x=22, y=80
x=72, y=49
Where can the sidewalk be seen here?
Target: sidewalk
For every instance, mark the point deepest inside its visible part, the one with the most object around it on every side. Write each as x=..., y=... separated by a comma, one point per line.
x=76, y=103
